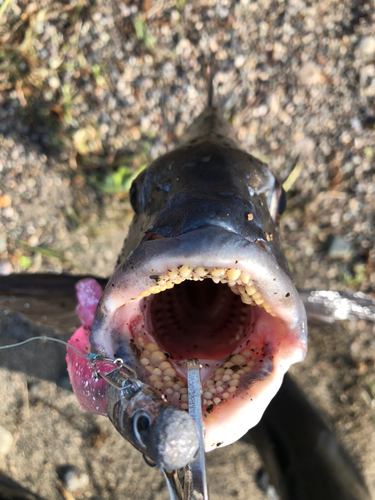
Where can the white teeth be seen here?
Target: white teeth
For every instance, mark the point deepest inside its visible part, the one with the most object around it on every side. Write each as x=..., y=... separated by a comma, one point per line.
x=245, y=278
x=200, y=271
x=250, y=289
x=239, y=282
x=151, y=347
x=238, y=359
x=185, y=271
x=165, y=365
x=233, y=274
x=170, y=372
x=222, y=385
x=246, y=299
x=228, y=364
x=157, y=357
x=218, y=272
x=173, y=274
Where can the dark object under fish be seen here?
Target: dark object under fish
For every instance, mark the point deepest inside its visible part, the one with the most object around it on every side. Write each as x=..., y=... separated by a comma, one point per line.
x=302, y=456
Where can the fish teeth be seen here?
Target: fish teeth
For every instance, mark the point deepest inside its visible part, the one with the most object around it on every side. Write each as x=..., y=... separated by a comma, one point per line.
x=185, y=271
x=238, y=281
x=233, y=274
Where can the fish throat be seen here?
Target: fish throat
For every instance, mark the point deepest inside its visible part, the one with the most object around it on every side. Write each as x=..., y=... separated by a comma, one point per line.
x=199, y=320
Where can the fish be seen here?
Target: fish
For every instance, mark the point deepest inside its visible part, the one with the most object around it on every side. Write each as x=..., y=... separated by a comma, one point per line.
x=202, y=275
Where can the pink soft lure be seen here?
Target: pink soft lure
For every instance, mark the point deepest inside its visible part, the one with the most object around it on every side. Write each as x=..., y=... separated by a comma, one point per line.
x=90, y=392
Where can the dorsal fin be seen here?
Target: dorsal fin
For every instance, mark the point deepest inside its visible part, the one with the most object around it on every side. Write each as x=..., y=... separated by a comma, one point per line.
x=210, y=124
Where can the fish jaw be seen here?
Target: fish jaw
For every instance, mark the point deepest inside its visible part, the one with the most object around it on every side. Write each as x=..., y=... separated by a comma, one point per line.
x=147, y=317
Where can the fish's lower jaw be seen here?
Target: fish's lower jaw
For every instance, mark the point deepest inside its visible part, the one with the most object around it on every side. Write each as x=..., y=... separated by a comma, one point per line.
x=236, y=388
x=242, y=411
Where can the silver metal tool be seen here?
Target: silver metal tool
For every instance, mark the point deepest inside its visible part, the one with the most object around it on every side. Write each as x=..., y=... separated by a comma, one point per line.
x=173, y=483
x=195, y=481
x=195, y=487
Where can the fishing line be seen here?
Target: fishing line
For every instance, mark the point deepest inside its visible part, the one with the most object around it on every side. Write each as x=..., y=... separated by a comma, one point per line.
x=91, y=357
x=45, y=338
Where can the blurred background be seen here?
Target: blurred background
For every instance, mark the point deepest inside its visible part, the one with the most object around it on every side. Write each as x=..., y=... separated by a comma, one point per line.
x=90, y=93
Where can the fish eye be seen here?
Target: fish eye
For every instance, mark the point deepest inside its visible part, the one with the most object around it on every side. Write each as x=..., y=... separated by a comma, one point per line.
x=133, y=196
x=282, y=202
x=141, y=425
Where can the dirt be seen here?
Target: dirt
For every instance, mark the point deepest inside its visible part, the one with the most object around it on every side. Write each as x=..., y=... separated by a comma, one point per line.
x=90, y=88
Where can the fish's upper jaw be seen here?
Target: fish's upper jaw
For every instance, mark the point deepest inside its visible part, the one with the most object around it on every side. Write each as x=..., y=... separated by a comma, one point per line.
x=172, y=300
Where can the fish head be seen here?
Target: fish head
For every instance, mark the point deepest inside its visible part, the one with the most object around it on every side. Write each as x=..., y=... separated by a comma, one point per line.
x=202, y=275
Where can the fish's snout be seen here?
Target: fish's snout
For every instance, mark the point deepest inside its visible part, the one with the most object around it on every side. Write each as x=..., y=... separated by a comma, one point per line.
x=185, y=213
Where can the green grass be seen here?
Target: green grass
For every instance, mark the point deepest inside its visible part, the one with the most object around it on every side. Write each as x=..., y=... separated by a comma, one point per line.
x=142, y=33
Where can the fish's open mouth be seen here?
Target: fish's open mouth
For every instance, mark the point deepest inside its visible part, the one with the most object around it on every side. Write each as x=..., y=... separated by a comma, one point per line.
x=241, y=317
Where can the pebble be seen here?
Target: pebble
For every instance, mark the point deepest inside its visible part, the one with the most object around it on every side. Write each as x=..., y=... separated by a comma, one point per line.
x=6, y=268
x=6, y=442
x=339, y=248
x=363, y=350
x=310, y=74
x=305, y=147
x=71, y=478
x=367, y=45
x=3, y=243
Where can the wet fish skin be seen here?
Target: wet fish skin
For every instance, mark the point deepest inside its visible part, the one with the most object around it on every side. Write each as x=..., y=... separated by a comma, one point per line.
x=208, y=181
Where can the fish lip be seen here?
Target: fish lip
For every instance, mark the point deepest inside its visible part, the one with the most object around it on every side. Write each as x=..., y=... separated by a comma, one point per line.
x=209, y=247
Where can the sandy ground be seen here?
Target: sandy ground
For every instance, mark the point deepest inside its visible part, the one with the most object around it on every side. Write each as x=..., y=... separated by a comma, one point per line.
x=90, y=87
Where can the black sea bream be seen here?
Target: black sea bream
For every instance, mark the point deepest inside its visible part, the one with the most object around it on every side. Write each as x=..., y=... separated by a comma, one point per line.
x=202, y=275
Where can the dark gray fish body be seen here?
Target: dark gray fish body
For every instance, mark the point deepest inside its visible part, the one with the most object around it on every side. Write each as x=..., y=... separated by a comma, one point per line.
x=302, y=456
